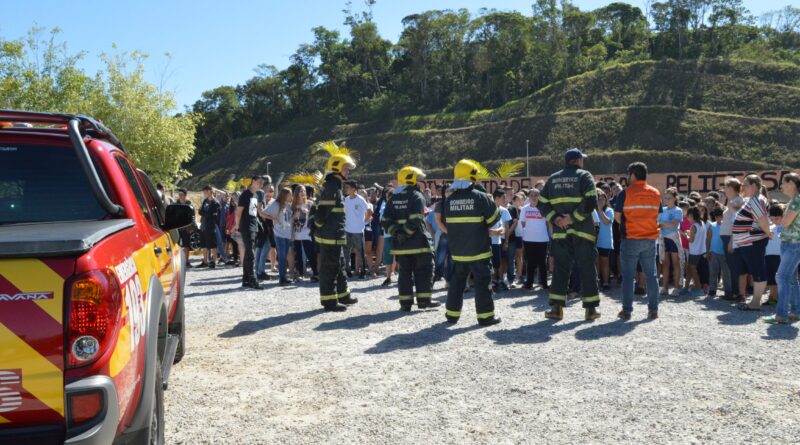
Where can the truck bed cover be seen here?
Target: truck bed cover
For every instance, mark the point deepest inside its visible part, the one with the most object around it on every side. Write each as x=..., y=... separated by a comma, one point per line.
x=56, y=238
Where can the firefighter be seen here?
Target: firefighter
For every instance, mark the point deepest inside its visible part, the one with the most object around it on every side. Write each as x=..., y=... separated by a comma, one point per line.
x=468, y=213
x=330, y=236
x=567, y=200
x=404, y=220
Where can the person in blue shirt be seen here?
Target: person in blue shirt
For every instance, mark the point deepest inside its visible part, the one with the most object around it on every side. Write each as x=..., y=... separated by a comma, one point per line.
x=716, y=256
x=605, y=239
x=669, y=219
x=498, y=233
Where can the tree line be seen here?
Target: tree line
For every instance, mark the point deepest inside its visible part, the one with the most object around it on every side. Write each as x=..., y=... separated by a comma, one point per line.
x=452, y=60
x=38, y=73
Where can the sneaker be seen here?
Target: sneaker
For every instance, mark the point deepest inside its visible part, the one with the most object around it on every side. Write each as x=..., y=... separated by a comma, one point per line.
x=676, y=292
x=212, y=265
x=664, y=291
x=202, y=266
x=711, y=294
x=697, y=292
x=387, y=282
x=502, y=285
x=231, y=262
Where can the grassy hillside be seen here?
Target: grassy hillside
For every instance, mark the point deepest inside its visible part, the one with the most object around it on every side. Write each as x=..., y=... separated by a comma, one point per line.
x=691, y=116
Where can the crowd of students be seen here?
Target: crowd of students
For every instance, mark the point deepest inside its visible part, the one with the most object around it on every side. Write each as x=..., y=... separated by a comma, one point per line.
x=732, y=243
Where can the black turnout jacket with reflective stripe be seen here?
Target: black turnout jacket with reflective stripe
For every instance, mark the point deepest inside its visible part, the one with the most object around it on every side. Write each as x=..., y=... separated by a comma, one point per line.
x=468, y=214
x=406, y=212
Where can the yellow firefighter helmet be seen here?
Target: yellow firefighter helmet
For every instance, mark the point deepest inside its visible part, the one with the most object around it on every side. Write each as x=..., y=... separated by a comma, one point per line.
x=467, y=169
x=409, y=175
x=337, y=161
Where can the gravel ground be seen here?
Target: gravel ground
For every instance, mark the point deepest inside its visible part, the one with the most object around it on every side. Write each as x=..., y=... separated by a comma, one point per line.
x=270, y=366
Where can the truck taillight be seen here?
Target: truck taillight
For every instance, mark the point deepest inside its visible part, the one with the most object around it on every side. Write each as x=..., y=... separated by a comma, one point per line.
x=94, y=310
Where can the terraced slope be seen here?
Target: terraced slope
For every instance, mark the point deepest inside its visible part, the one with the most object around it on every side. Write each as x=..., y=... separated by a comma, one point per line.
x=688, y=116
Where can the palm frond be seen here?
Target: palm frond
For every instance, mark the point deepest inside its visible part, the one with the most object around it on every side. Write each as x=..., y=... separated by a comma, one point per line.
x=509, y=169
x=331, y=147
x=310, y=178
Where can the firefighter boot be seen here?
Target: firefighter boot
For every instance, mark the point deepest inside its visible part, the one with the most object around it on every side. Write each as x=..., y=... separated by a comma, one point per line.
x=592, y=314
x=489, y=321
x=428, y=304
x=335, y=307
x=348, y=300
x=556, y=312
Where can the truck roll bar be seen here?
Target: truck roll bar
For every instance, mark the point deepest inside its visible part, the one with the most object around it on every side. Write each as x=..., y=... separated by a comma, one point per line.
x=73, y=128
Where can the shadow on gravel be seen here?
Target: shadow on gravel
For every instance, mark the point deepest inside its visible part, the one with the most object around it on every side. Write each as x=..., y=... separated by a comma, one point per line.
x=221, y=281
x=438, y=333
x=251, y=327
x=229, y=290
x=616, y=328
x=781, y=332
x=538, y=303
x=740, y=318
x=540, y=332
x=362, y=321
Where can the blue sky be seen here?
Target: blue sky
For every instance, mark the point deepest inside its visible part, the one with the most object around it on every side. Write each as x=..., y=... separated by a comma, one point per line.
x=216, y=43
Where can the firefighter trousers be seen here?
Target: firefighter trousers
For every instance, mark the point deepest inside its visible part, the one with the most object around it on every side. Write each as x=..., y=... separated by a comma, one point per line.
x=482, y=275
x=332, y=277
x=416, y=271
x=569, y=251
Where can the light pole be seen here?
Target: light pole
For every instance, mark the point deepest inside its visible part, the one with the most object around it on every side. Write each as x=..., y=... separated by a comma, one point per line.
x=268, y=163
x=527, y=159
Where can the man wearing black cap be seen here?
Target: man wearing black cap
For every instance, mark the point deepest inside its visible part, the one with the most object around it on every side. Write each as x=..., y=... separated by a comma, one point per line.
x=568, y=199
x=247, y=223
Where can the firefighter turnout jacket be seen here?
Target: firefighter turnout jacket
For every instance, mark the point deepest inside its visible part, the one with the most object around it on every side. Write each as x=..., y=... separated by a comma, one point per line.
x=468, y=214
x=572, y=192
x=329, y=214
x=404, y=219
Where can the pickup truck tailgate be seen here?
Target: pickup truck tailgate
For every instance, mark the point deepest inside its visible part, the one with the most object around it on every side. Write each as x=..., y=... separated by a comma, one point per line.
x=32, y=340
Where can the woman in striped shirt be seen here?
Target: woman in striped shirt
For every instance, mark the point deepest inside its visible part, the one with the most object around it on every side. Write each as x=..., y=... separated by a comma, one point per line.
x=750, y=236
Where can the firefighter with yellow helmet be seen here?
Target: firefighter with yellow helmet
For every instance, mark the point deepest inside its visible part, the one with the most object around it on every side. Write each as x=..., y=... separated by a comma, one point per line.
x=468, y=213
x=329, y=233
x=404, y=220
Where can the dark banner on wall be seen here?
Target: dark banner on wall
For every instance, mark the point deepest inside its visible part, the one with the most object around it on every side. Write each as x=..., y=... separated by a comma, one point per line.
x=684, y=182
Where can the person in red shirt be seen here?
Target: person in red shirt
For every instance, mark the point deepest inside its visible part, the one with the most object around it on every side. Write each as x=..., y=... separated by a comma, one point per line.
x=637, y=209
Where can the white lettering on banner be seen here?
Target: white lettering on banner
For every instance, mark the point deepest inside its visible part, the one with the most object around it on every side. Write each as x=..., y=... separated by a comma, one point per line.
x=134, y=299
x=702, y=182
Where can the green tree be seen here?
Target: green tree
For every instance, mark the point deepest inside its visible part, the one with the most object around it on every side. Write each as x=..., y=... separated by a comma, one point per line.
x=37, y=73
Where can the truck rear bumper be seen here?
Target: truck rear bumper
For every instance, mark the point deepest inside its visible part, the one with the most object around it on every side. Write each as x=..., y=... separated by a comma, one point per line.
x=103, y=428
